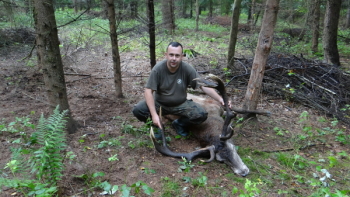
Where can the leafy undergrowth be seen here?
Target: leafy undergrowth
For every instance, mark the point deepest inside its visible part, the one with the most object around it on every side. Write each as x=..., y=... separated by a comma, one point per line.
x=294, y=152
x=305, y=156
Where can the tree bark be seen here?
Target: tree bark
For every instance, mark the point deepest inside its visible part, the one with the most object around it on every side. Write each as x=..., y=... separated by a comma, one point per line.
x=184, y=8
x=49, y=58
x=330, y=32
x=168, y=16
x=197, y=14
x=115, y=49
x=133, y=9
x=151, y=32
x=347, y=23
x=315, y=15
x=251, y=16
x=233, y=33
x=210, y=14
x=261, y=54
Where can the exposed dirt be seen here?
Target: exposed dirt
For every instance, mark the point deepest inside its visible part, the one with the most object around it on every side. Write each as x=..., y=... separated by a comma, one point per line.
x=93, y=104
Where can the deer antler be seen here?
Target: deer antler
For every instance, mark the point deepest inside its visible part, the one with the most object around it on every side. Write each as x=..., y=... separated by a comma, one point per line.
x=164, y=149
x=227, y=131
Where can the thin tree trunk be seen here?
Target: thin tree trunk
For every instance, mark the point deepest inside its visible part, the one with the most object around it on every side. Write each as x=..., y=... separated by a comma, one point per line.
x=330, y=32
x=252, y=17
x=9, y=11
x=133, y=9
x=315, y=24
x=152, y=32
x=184, y=8
x=197, y=14
x=261, y=54
x=75, y=5
x=115, y=49
x=210, y=8
x=168, y=15
x=49, y=58
x=233, y=33
x=347, y=23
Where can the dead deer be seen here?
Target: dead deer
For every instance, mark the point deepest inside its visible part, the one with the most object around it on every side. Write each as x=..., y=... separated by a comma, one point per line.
x=214, y=134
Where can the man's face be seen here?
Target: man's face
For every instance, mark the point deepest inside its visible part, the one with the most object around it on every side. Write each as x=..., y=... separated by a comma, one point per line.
x=174, y=57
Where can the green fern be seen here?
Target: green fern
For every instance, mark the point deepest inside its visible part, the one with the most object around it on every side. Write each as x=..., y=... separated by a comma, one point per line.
x=47, y=160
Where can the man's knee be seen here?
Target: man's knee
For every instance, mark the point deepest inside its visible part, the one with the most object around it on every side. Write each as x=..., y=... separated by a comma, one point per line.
x=200, y=118
x=140, y=114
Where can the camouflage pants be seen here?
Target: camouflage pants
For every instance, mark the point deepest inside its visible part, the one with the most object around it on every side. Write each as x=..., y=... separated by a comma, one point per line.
x=191, y=113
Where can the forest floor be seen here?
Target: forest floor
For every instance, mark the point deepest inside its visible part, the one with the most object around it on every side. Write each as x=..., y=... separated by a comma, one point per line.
x=105, y=118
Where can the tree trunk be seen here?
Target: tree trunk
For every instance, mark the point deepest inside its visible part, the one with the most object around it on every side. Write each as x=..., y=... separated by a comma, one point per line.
x=104, y=6
x=252, y=17
x=197, y=14
x=133, y=9
x=75, y=5
x=347, y=23
x=49, y=58
x=152, y=32
x=191, y=9
x=115, y=49
x=210, y=14
x=330, y=32
x=315, y=24
x=8, y=5
x=233, y=33
x=261, y=54
x=184, y=8
x=168, y=16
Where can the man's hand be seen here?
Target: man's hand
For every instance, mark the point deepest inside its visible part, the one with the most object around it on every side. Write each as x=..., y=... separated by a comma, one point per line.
x=223, y=103
x=156, y=121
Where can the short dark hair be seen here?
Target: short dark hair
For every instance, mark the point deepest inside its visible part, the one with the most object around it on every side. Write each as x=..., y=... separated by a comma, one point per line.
x=175, y=44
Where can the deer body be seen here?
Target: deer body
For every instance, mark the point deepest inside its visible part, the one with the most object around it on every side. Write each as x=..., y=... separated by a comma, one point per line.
x=208, y=134
x=212, y=136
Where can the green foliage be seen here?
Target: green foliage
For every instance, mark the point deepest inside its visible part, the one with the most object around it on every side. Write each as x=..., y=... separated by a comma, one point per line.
x=250, y=189
x=295, y=162
x=170, y=187
x=111, y=142
x=51, y=137
x=200, y=181
x=280, y=131
x=144, y=130
x=91, y=180
x=44, y=152
x=342, y=138
x=185, y=165
x=141, y=186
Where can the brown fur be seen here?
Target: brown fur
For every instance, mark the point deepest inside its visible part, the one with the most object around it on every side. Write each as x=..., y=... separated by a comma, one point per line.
x=208, y=133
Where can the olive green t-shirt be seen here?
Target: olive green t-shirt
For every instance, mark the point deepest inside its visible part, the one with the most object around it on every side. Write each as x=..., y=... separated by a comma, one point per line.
x=170, y=88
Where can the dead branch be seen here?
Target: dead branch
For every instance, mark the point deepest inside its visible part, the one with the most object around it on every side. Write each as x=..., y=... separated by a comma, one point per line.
x=312, y=83
x=291, y=149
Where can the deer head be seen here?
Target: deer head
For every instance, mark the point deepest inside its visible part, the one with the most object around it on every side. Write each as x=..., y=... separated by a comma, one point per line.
x=218, y=144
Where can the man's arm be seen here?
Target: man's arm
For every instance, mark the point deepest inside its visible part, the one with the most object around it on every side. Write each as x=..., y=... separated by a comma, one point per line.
x=213, y=94
x=151, y=106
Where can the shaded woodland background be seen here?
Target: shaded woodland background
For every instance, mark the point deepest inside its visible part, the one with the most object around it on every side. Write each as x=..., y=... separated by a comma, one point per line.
x=106, y=50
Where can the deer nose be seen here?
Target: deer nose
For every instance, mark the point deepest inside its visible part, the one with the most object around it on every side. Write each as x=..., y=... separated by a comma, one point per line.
x=245, y=172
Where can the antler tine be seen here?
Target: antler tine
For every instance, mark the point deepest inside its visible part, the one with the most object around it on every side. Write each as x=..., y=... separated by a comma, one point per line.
x=220, y=86
x=164, y=149
x=189, y=156
x=162, y=130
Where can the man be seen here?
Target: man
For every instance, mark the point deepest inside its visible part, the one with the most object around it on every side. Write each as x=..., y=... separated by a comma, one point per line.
x=167, y=88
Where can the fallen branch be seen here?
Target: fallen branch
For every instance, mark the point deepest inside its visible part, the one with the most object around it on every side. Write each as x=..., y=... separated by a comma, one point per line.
x=291, y=149
x=78, y=74
x=78, y=79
